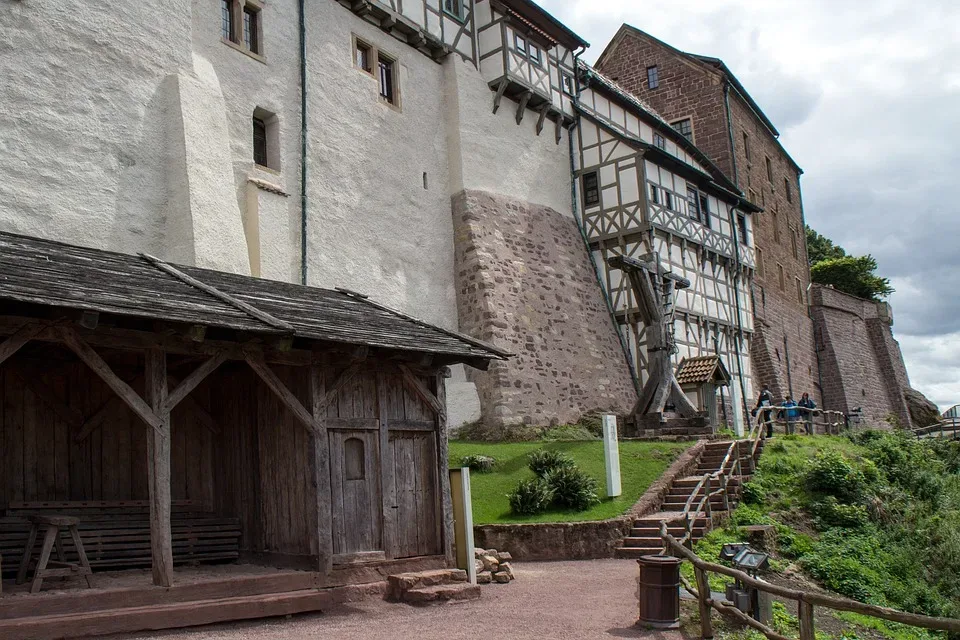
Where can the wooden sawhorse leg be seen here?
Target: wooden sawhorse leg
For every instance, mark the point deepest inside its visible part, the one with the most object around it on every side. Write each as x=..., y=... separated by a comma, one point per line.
x=27, y=552
x=78, y=544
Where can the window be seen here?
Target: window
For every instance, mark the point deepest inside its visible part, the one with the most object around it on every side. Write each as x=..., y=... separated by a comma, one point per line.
x=654, y=194
x=783, y=284
x=454, y=8
x=387, y=75
x=569, y=87
x=799, y=290
x=591, y=189
x=685, y=128
x=519, y=43
x=705, y=209
x=693, y=197
x=653, y=77
x=742, y=228
x=787, y=190
x=259, y=142
x=226, y=17
x=668, y=199
x=760, y=269
x=361, y=55
x=533, y=51
x=746, y=145
x=769, y=171
x=659, y=142
x=251, y=29
x=793, y=242
x=775, y=222
x=353, y=459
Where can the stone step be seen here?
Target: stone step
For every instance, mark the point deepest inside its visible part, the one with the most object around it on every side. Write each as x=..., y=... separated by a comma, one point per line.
x=654, y=532
x=440, y=593
x=651, y=542
x=399, y=584
x=637, y=552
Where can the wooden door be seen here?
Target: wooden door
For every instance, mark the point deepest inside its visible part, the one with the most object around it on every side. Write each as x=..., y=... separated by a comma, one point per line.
x=416, y=509
x=356, y=506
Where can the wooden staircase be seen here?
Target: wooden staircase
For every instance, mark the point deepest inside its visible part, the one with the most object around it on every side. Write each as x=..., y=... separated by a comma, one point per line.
x=685, y=500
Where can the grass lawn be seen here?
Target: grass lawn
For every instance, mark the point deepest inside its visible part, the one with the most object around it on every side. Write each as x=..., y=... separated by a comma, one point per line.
x=640, y=464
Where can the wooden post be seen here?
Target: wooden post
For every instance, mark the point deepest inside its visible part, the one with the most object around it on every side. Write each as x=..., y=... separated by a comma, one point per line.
x=707, y=490
x=443, y=464
x=387, y=500
x=806, y=620
x=703, y=588
x=321, y=471
x=158, y=469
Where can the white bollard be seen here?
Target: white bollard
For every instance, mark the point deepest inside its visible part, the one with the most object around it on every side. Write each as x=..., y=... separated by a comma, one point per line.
x=611, y=453
x=736, y=400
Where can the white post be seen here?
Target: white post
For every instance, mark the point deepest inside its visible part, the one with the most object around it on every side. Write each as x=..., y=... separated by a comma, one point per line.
x=611, y=453
x=463, y=521
x=737, y=401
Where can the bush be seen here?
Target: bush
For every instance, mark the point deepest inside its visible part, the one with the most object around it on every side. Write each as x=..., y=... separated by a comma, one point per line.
x=831, y=513
x=753, y=493
x=572, y=488
x=479, y=463
x=833, y=475
x=530, y=497
x=543, y=461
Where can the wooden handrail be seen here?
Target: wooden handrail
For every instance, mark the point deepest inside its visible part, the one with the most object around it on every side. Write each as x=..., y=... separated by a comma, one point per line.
x=806, y=600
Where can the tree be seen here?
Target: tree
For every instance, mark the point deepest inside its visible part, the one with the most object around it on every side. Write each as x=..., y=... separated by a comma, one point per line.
x=820, y=248
x=853, y=275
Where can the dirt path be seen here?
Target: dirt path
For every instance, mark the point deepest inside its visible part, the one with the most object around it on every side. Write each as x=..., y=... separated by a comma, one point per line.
x=591, y=599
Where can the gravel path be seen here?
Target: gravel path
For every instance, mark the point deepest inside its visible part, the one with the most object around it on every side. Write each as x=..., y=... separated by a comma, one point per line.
x=589, y=599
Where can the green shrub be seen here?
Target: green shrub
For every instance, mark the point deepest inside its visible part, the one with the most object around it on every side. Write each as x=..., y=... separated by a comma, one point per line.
x=753, y=493
x=530, y=497
x=479, y=463
x=833, y=475
x=843, y=575
x=572, y=488
x=829, y=512
x=543, y=461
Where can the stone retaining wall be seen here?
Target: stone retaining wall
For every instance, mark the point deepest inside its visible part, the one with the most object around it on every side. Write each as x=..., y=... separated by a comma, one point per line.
x=583, y=540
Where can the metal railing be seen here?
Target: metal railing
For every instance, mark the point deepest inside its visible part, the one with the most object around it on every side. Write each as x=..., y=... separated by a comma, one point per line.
x=948, y=428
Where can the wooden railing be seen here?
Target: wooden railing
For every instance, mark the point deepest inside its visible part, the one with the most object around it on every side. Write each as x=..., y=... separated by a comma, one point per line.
x=829, y=421
x=948, y=428
x=806, y=600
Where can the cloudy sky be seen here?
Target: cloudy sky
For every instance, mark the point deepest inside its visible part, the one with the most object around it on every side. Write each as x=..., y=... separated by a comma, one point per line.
x=866, y=96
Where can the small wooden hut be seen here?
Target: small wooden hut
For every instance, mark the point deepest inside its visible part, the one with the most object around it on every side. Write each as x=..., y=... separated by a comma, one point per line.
x=699, y=378
x=188, y=416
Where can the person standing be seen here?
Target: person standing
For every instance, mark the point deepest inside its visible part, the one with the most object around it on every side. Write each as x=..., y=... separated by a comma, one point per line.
x=807, y=405
x=791, y=412
x=764, y=402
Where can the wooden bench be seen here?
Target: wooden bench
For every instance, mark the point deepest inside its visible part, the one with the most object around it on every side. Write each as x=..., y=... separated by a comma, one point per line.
x=116, y=534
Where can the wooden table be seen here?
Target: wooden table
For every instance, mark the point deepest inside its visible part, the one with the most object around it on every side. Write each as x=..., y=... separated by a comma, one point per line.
x=52, y=525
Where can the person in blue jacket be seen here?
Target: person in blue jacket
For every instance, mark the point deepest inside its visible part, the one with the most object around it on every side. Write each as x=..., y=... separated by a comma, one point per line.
x=792, y=414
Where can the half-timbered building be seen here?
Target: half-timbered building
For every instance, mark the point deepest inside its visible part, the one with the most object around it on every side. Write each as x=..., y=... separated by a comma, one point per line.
x=644, y=190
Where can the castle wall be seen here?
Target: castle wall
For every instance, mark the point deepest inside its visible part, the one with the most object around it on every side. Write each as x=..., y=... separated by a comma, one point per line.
x=862, y=363
x=524, y=282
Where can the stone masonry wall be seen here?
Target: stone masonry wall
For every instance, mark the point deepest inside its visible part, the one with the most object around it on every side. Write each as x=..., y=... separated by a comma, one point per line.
x=692, y=89
x=862, y=363
x=525, y=283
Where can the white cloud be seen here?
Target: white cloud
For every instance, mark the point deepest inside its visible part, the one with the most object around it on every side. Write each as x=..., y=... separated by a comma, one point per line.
x=867, y=98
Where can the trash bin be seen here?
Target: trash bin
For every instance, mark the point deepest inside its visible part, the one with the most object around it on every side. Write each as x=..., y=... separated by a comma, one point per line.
x=659, y=592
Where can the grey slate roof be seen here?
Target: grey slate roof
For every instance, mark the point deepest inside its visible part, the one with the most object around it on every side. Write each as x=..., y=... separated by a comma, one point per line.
x=51, y=273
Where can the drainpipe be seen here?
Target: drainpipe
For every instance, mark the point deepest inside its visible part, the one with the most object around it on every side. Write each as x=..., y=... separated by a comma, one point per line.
x=303, y=142
x=733, y=155
x=583, y=233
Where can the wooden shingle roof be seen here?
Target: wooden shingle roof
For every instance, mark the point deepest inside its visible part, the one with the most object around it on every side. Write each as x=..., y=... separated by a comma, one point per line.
x=44, y=272
x=702, y=369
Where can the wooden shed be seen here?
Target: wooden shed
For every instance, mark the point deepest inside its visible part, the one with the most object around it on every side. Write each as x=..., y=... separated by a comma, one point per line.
x=295, y=436
x=700, y=378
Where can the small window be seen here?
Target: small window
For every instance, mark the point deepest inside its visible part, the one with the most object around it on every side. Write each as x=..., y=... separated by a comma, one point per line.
x=746, y=145
x=569, y=87
x=654, y=194
x=519, y=43
x=361, y=56
x=760, y=270
x=653, y=77
x=659, y=142
x=783, y=283
x=685, y=128
x=387, y=75
x=794, y=243
x=775, y=221
x=668, y=199
x=251, y=29
x=454, y=8
x=534, y=53
x=226, y=19
x=693, y=197
x=353, y=459
x=799, y=290
x=591, y=189
x=787, y=189
x=259, y=142
x=742, y=228
x=769, y=171
x=705, y=209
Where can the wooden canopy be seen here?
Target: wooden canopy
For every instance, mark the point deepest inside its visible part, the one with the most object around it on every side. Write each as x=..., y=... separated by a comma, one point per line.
x=702, y=370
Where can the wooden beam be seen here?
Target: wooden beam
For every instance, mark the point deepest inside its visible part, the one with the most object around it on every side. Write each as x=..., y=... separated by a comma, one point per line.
x=387, y=479
x=543, y=116
x=522, y=107
x=500, y=89
x=190, y=383
x=342, y=380
x=12, y=344
x=197, y=332
x=443, y=464
x=321, y=472
x=89, y=319
x=102, y=369
x=158, y=470
x=421, y=390
x=557, y=133
x=280, y=389
x=220, y=295
x=43, y=391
